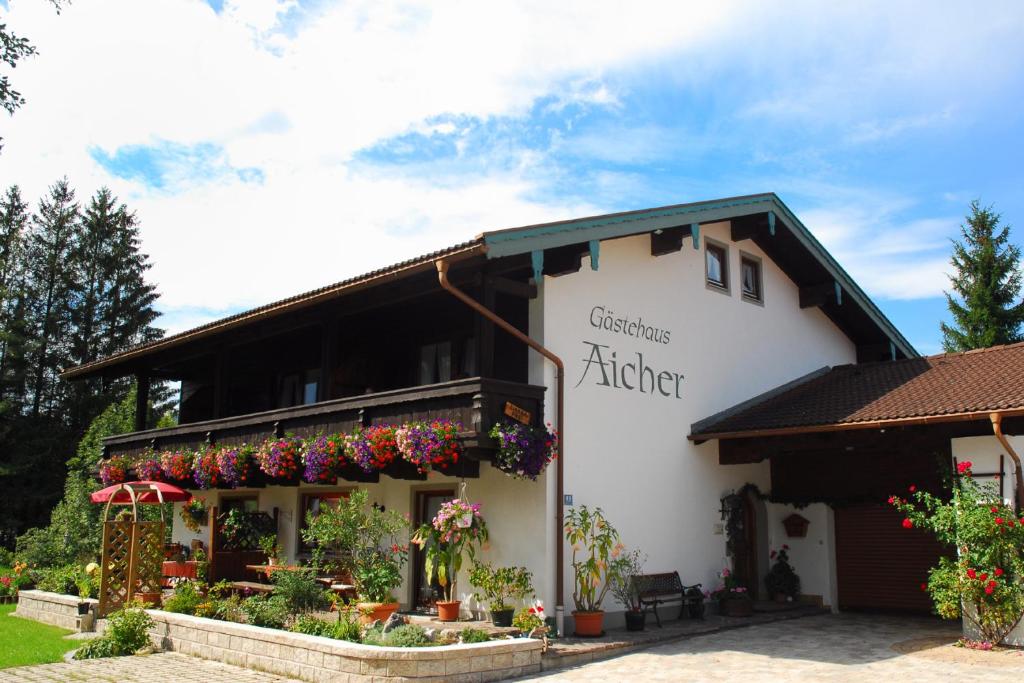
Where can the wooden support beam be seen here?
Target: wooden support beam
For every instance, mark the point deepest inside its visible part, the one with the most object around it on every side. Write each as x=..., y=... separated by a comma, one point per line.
x=220, y=384
x=820, y=294
x=485, y=332
x=328, y=359
x=595, y=253
x=141, y=401
x=671, y=239
x=564, y=260
x=537, y=261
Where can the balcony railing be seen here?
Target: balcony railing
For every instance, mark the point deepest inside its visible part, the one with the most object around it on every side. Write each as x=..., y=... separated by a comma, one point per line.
x=476, y=402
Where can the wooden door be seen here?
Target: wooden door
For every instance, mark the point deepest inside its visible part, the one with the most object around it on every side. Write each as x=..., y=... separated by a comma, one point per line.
x=424, y=593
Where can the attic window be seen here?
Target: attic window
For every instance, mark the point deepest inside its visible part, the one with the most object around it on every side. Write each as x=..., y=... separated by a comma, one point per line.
x=750, y=278
x=716, y=264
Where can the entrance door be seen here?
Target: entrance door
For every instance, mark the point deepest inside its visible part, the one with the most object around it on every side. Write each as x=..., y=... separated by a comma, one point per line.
x=880, y=565
x=425, y=593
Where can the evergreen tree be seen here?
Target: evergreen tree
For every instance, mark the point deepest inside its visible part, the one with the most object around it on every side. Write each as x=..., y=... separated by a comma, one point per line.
x=986, y=286
x=14, y=220
x=51, y=281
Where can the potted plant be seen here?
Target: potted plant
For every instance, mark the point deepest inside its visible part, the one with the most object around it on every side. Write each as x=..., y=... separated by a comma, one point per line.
x=733, y=598
x=782, y=581
x=114, y=470
x=279, y=459
x=268, y=544
x=457, y=529
x=237, y=465
x=8, y=588
x=430, y=446
x=194, y=514
x=500, y=586
x=84, y=589
x=149, y=468
x=177, y=467
x=625, y=569
x=365, y=542
x=595, y=543
x=323, y=458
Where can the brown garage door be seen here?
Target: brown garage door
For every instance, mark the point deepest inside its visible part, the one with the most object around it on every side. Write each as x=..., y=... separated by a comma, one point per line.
x=880, y=565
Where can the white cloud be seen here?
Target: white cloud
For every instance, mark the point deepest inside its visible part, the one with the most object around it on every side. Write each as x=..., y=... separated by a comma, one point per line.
x=299, y=101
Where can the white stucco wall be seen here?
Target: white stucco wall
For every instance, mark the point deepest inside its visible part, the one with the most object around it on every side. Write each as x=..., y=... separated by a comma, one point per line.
x=513, y=509
x=627, y=451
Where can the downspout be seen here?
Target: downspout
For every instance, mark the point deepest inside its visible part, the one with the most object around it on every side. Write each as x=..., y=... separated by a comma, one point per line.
x=997, y=429
x=442, y=276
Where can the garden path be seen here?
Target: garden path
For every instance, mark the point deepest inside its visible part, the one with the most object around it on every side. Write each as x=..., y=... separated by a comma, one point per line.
x=164, y=666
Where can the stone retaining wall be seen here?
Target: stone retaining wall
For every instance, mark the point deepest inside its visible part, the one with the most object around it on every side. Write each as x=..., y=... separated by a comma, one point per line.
x=312, y=658
x=52, y=608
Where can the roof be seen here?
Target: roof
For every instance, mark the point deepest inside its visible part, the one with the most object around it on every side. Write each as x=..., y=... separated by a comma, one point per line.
x=534, y=239
x=941, y=388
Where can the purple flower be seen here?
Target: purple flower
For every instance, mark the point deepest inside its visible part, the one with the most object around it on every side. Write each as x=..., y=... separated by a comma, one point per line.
x=323, y=459
x=523, y=451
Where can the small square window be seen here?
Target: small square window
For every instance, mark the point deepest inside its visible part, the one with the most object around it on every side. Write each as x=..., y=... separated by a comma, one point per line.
x=717, y=265
x=750, y=278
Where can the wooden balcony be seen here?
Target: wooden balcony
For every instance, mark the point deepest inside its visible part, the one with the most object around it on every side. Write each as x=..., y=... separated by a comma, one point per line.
x=477, y=403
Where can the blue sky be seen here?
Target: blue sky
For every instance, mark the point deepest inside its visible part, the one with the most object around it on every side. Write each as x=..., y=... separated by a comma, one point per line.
x=373, y=131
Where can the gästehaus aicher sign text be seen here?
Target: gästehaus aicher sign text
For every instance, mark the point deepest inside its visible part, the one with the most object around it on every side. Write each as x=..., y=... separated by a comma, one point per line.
x=607, y=368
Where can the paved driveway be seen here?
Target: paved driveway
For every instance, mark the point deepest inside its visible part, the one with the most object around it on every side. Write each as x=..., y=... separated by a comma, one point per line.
x=156, y=668
x=823, y=648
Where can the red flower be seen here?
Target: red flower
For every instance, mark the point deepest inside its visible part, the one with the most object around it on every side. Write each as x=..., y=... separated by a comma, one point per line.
x=999, y=520
x=912, y=488
x=892, y=500
x=999, y=571
x=993, y=509
x=964, y=467
x=992, y=584
x=924, y=586
x=971, y=573
x=983, y=576
x=907, y=524
x=989, y=589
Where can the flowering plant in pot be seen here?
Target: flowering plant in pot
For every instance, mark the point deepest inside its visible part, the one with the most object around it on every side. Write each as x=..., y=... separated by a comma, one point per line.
x=372, y=448
x=456, y=530
x=177, y=467
x=237, y=465
x=733, y=597
x=365, y=542
x=194, y=514
x=500, y=587
x=782, y=581
x=595, y=544
x=983, y=584
x=322, y=459
x=268, y=544
x=149, y=468
x=114, y=470
x=434, y=445
x=523, y=451
x=279, y=458
x=625, y=569
x=205, y=471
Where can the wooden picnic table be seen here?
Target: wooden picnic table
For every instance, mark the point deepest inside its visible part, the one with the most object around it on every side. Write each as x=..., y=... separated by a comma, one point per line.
x=265, y=570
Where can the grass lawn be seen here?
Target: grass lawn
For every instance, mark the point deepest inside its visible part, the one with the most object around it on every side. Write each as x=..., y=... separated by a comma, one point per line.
x=23, y=641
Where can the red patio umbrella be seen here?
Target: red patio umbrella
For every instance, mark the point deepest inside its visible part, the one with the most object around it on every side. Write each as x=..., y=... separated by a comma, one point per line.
x=147, y=492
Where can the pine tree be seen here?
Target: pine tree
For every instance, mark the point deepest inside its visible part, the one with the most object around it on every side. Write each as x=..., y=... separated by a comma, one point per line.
x=985, y=301
x=49, y=263
x=14, y=220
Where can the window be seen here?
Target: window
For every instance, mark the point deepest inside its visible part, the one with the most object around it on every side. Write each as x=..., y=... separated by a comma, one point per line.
x=716, y=265
x=750, y=277
x=243, y=503
x=313, y=503
x=436, y=363
x=298, y=388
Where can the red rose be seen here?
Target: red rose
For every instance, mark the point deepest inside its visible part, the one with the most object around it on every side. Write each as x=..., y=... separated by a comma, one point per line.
x=999, y=520
x=971, y=573
x=907, y=524
x=993, y=509
x=999, y=571
x=983, y=576
x=989, y=589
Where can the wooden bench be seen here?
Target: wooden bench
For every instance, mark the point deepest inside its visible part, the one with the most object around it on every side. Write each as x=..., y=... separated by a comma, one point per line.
x=251, y=586
x=657, y=589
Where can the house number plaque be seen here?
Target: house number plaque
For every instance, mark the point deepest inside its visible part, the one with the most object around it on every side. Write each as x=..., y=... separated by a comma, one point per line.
x=518, y=414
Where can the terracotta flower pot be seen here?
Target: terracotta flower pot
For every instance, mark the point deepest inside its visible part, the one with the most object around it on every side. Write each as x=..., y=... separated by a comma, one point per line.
x=370, y=612
x=589, y=624
x=448, y=611
x=149, y=598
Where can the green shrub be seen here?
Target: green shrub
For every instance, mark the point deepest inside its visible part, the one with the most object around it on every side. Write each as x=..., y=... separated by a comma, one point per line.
x=6, y=557
x=475, y=635
x=62, y=579
x=406, y=635
x=127, y=632
x=261, y=610
x=224, y=609
x=299, y=591
x=345, y=628
x=185, y=600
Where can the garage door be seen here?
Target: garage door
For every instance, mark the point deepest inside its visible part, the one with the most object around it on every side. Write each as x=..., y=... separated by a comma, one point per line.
x=879, y=564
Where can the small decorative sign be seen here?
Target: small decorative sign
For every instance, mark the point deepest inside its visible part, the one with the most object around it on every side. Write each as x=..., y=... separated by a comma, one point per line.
x=518, y=414
x=567, y=498
x=796, y=526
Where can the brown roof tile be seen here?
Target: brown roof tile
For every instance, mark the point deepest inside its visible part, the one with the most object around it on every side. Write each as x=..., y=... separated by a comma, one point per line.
x=949, y=384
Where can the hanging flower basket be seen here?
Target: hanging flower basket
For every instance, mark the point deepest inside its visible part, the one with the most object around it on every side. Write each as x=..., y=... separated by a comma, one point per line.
x=323, y=459
x=372, y=448
x=194, y=514
x=430, y=446
x=177, y=467
x=523, y=451
x=279, y=459
x=114, y=470
x=237, y=465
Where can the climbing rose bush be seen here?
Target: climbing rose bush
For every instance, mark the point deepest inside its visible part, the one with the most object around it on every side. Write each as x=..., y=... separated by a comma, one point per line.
x=985, y=582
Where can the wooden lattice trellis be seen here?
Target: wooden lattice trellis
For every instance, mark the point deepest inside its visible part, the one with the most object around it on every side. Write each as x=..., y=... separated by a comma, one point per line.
x=131, y=561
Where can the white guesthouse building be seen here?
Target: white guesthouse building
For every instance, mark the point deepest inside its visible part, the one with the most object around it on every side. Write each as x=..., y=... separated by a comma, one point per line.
x=695, y=339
